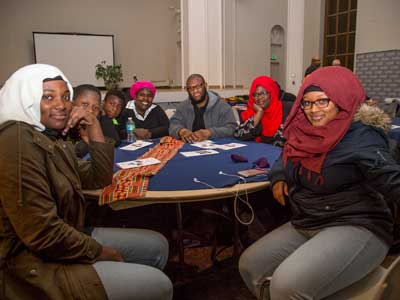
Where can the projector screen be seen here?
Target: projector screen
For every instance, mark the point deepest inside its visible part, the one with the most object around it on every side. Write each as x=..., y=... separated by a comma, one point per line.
x=76, y=54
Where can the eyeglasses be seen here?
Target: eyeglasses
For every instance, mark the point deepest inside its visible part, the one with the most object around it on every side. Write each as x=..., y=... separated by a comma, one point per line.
x=320, y=103
x=262, y=94
x=195, y=87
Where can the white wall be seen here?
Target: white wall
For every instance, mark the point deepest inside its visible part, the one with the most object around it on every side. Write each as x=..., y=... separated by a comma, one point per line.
x=295, y=37
x=204, y=43
x=145, y=32
x=215, y=43
x=314, y=14
x=255, y=20
x=147, y=41
x=185, y=41
x=378, y=26
x=197, y=37
x=229, y=43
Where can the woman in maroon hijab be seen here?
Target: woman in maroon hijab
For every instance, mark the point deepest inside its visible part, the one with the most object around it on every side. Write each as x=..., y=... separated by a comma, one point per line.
x=339, y=179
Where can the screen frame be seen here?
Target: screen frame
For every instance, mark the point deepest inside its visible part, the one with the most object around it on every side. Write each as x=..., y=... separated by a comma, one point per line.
x=73, y=34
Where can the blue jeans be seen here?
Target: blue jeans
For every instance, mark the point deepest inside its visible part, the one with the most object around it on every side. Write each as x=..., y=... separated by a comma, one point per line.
x=145, y=253
x=310, y=264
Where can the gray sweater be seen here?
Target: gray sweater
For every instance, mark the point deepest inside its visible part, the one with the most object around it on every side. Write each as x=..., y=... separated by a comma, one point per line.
x=218, y=117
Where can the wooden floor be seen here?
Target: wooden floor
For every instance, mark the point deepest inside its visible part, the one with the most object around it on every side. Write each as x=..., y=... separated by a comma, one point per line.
x=217, y=282
x=201, y=279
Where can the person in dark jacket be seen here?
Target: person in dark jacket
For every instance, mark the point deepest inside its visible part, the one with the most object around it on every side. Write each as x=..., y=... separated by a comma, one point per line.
x=315, y=64
x=285, y=96
x=265, y=114
x=45, y=250
x=340, y=180
x=88, y=97
x=150, y=119
x=110, y=120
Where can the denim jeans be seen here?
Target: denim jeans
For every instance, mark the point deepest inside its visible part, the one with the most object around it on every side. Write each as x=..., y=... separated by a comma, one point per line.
x=310, y=264
x=145, y=254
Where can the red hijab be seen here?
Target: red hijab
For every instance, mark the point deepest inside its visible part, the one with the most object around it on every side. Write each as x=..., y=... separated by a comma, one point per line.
x=272, y=117
x=308, y=144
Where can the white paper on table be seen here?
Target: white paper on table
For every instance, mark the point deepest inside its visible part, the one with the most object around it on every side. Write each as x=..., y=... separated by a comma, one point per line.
x=206, y=144
x=230, y=146
x=395, y=126
x=136, y=145
x=138, y=163
x=199, y=152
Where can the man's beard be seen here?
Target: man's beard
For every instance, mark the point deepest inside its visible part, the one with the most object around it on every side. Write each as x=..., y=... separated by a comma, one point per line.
x=201, y=100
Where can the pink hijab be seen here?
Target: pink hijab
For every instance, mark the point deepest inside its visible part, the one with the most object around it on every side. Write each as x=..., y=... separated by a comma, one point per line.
x=141, y=84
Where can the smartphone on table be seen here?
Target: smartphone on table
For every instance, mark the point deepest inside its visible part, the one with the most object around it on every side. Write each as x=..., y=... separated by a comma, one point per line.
x=252, y=172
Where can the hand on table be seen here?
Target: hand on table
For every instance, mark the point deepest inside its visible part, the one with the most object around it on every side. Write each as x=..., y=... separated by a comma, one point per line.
x=186, y=135
x=202, y=134
x=280, y=190
x=142, y=134
x=193, y=137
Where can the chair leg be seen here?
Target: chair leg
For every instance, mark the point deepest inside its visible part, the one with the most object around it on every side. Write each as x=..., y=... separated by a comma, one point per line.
x=264, y=290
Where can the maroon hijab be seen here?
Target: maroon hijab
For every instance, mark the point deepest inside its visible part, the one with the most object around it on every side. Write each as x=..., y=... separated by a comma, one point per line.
x=308, y=144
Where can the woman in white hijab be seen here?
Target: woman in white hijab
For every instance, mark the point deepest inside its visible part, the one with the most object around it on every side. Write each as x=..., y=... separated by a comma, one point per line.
x=45, y=252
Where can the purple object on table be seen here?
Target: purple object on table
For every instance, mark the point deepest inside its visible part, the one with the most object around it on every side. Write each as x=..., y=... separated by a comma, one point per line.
x=239, y=158
x=261, y=163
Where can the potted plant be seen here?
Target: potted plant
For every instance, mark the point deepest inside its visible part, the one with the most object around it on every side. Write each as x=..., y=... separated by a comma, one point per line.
x=111, y=74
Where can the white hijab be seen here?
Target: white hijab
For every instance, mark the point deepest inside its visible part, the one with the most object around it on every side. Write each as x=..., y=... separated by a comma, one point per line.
x=21, y=94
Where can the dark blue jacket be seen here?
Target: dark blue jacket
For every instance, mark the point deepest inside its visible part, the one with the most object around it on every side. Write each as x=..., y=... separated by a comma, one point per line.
x=358, y=181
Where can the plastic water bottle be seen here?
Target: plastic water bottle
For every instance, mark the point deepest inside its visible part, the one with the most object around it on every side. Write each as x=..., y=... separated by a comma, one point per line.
x=130, y=131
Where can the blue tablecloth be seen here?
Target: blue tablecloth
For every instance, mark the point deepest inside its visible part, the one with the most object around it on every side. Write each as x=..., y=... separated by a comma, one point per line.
x=179, y=172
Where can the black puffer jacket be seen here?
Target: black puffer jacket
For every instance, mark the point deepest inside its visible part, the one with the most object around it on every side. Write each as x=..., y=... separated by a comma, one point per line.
x=358, y=181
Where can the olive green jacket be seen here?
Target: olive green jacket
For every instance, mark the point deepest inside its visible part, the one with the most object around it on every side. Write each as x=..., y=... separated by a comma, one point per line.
x=44, y=252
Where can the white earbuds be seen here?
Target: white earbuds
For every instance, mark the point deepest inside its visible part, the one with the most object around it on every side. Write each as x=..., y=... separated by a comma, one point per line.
x=202, y=182
x=237, y=197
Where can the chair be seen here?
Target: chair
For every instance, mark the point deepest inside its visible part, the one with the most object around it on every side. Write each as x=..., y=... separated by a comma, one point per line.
x=390, y=288
x=390, y=106
x=381, y=284
x=378, y=285
x=286, y=108
x=236, y=115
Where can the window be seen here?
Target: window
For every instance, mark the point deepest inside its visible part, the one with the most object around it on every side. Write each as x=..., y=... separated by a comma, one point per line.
x=340, y=30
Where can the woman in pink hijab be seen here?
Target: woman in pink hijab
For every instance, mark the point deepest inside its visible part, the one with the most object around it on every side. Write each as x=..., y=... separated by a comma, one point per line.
x=150, y=119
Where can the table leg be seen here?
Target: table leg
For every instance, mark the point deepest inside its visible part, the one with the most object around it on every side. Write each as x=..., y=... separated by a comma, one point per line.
x=179, y=220
x=236, y=238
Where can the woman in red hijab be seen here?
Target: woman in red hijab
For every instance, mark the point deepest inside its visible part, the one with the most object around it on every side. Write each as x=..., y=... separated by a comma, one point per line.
x=264, y=116
x=339, y=179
